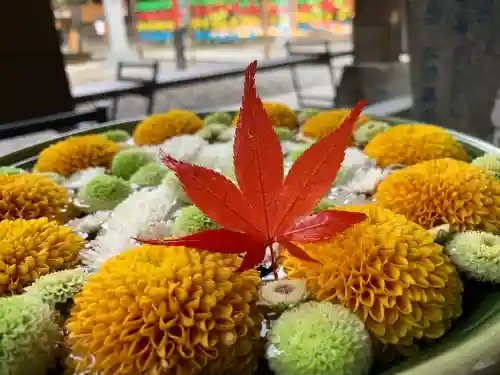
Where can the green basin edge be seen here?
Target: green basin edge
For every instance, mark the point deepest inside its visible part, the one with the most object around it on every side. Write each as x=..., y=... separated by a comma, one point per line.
x=473, y=345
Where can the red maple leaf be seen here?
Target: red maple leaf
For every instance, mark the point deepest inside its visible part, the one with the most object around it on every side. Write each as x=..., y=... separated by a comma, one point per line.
x=266, y=208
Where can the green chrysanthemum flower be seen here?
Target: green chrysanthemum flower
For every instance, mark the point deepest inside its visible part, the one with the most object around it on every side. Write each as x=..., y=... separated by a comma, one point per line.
x=490, y=162
x=219, y=118
x=10, y=171
x=319, y=338
x=117, y=135
x=306, y=114
x=149, y=175
x=127, y=162
x=366, y=132
x=58, y=288
x=56, y=177
x=29, y=335
x=284, y=134
x=191, y=220
x=477, y=254
x=173, y=184
x=103, y=193
x=211, y=132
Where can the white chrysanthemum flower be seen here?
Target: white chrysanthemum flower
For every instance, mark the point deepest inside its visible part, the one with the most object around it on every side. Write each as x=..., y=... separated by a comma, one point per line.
x=89, y=223
x=131, y=218
x=183, y=147
x=217, y=156
x=79, y=179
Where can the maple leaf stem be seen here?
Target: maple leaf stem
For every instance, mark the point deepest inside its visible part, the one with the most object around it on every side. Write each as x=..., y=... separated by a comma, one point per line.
x=273, y=264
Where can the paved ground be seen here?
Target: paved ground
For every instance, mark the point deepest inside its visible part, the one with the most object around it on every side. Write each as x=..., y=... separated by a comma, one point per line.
x=206, y=95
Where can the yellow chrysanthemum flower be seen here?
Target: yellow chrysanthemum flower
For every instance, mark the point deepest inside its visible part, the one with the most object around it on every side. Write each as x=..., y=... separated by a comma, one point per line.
x=30, y=249
x=444, y=191
x=30, y=196
x=388, y=271
x=413, y=143
x=167, y=310
x=324, y=123
x=77, y=153
x=157, y=128
x=281, y=116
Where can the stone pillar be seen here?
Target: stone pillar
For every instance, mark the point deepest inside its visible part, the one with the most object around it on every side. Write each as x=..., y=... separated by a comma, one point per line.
x=455, y=62
x=377, y=74
x=377, y=30
x=119, y=48
x=32, y=74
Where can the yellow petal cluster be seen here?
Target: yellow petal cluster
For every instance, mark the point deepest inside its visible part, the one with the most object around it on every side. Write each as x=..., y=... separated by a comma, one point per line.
x=30, y=196
x=157, y=128
x=167, y=310
x=30, y=249
x=388, y=271
x=281, y=116
x=444, y=191
x=77, y=153
x=413, y=143
x=324, y=123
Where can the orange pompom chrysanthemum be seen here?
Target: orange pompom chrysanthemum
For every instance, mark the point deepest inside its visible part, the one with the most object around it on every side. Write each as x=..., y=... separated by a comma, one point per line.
x=157, y=128
x=30, y=196
x=30, y=249
x=77, y=153
x=413, y=143
x=281, y=116
x=324, y=123
x=166, y=310
x=388, y=271
x=444, y=191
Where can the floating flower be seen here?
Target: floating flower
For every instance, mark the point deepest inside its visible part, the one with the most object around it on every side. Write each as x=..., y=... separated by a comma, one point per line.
x=366, y=132
x=81, y=178
x=156, y=309
x=324, y=123
x=477, y=254
x=413, y=143
x=172, y=183
x=191, y=220
x=154, y=206
x=150, y=174
x=29, y=336
x=186, y=147
x=33, y=248
x=283, y=294
x=443, y=191
x=306, y=114
x=281, y=115
x=116, y=135
x=76, y=153
x=56, y=177
x=388, y=271
x=284, y=134
x=211, y=133
x=222, y=118
x=227, y=135
x=89, y=223
x=58, y=287
x=103, y=193
x=127, y=162
x=30, y=196
x=319, y=339
x=490, y=162
x=157, y=128
x=11, y=171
